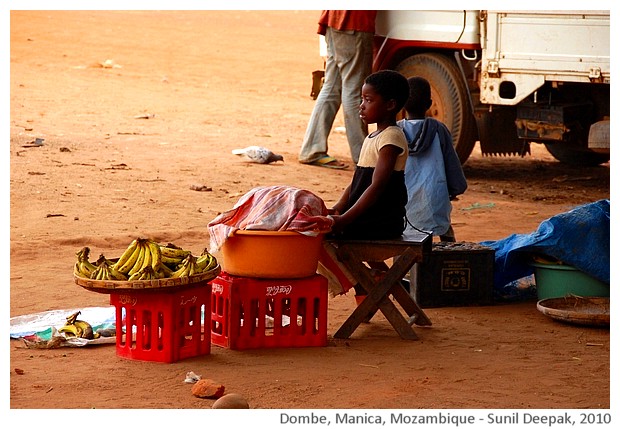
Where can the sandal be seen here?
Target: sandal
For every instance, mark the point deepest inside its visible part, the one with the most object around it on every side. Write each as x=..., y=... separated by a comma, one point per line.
x=329, y=162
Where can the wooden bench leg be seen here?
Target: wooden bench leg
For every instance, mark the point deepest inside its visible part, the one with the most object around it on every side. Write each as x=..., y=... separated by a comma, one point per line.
x=401, y=266
x=406, y=301
x=411, y=307
x=378, y=294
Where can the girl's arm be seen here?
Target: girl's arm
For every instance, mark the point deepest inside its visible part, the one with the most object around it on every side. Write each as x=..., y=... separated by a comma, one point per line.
x=338, y=208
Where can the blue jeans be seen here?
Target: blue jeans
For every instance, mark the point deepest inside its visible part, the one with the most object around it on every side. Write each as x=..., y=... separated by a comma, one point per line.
x=349, y=61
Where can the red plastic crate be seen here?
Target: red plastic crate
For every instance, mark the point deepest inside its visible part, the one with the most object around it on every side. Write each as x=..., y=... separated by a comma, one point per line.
x=163, y=326
x=248, y=313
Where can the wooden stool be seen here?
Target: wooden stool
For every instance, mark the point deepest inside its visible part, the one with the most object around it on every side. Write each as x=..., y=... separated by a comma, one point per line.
x=407, y=251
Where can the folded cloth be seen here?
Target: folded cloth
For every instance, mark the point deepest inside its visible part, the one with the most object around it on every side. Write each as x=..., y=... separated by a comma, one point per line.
x=272, y=208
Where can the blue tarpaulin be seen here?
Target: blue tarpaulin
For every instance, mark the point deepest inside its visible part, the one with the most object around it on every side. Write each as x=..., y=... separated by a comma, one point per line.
x=579, y=237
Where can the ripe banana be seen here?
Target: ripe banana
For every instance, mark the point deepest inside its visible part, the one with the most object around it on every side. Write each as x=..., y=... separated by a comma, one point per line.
x=171, y=262
x=70, y=319
x=155, y=255
x=203, y=260
x=86, y=268
x=127, y=254
x=187, y=267
x=96, y=275
x=77, y=328
x=165, y=270
x=206, y=262
x=70, y=331
x=83, y=268
x=101, y=273
x=181, y=272
x=130, y=262
x=147, y=273
x=148, y=256
x=77, y=270
x=173, y=252
x=83, y=253
x=138, y=263
x=84, y=329
x=115, y=274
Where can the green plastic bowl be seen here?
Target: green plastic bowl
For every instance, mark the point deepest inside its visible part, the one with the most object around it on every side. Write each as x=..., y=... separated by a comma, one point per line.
x=557, y=281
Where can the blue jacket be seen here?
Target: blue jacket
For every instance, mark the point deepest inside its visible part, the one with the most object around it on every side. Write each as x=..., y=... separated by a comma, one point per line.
x=433, y=174
x=421, y=141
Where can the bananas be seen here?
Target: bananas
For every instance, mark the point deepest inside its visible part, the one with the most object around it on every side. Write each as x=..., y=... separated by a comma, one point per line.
x=206, y=261
x=74, y=327
x=141, y=250
x=187, y=267
x=145, y=259
x=156, y=255
x=173, y=255
x=123, y=264
x=106, y=271
x=146, y=273
x=128, y=259
x=83, y=268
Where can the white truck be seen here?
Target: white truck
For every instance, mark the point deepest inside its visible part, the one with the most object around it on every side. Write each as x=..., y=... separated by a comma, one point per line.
x=509, y=78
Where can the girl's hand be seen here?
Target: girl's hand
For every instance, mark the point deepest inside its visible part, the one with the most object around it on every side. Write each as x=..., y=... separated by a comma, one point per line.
x=337, y=226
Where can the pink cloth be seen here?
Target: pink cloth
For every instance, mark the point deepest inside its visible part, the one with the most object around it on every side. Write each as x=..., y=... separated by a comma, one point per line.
x=272, y=208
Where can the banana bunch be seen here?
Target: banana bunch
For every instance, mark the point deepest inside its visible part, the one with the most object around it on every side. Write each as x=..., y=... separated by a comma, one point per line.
x=145, y=259
x=106, y=271
x=206, y=261
x=74, y=327
x=187, y=267
x=182, y=263
x=102, y=269
x=146, y=273
x=83, y=268
x=141, y=253
x=173, y=255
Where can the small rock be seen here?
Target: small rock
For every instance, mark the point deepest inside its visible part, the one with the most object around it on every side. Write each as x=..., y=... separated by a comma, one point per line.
x=231, y=401
x=201, y=188
x=207, y=388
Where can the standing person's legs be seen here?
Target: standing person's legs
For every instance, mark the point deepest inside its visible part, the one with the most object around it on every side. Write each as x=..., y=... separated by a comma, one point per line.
x=355, y=62
x=314, y=145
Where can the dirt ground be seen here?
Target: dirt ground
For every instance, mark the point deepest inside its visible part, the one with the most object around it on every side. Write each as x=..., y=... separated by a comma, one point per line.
x=135, y=107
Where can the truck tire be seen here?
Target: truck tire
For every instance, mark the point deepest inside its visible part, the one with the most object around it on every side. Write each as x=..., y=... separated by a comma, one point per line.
x=575, y=156
x=574, y=150
x=451, y=103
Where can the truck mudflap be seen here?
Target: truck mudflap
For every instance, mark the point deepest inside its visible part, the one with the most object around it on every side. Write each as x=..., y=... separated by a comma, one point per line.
x=598, y=137
x=497, y=132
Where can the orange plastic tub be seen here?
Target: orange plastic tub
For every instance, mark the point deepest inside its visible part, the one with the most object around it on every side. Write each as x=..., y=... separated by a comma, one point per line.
x=271, y=254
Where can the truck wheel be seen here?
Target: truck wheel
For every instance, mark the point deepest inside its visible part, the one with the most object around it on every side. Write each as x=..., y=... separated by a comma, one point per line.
x=450, y=97
x=575, y=156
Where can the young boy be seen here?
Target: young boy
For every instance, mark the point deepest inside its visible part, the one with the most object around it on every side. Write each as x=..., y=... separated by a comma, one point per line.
x=373, y=205
x=433, y=174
